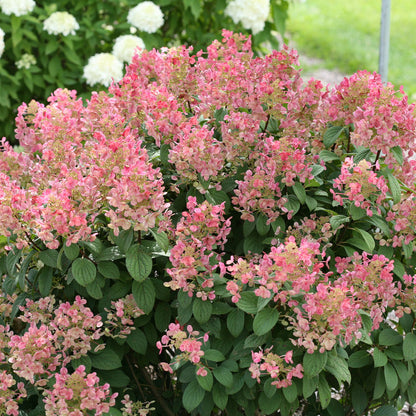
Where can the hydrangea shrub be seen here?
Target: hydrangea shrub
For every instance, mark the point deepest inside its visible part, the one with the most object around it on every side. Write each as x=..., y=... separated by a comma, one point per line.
x=211, y=236
x=85, y=45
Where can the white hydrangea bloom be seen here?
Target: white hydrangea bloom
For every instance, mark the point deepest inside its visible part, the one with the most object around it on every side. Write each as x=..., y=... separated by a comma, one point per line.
x=251, y=13
x=126, y=46
x=26, y=61
x=146, y=16
x=102, y=68
x=17, y=7
x=1, y=42
x=61, y=23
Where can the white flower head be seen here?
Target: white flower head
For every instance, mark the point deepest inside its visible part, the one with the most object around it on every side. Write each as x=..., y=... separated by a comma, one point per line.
x=251, y=13
x=126, y=46
x=17, y=7
x=146, y=16
x=61, y=23
x=1, y=42
x=102, y=68
x=26, y=61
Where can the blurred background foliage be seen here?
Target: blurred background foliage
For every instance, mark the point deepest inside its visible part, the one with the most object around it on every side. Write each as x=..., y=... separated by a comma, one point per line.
x=345, y=36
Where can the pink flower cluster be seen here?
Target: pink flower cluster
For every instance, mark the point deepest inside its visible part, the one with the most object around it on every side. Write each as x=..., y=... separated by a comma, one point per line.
x=284, y=273
x=403, y=217
x=121, y=320
x=10, y=393
x=370, y=279
x=53, y=338
x=78, y=163
x=382, y=120
x=201, y=231
x=360, y=184
x=77, y=393
x=187, y=342
x=275, y=366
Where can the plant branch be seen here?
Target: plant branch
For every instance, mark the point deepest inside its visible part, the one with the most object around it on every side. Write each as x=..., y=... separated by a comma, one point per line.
x=158, y=396
x=135, y=378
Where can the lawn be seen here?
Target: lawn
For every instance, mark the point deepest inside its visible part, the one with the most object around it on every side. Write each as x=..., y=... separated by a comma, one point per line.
x=345, y=35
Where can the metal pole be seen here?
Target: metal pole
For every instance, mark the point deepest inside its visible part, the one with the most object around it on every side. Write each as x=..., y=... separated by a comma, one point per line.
x=383, y=63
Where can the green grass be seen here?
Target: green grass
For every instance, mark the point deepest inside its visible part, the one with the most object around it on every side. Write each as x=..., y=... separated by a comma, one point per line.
x=345, y=35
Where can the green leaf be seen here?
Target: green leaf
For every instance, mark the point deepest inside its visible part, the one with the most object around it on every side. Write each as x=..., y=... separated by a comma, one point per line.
x=380, y=223
x=109, y=254
x=265, y=320
x=299, y=191
x=328, y=156
x=359, y=359
x=395, y=188
x=248, y=227
x=359, y=399
x=269, y=389
x=248, y=302
x=337, y=220
x=161, y=239
x=314, y=363
x=367, y=240
x=402, y=371
x=409, y=347
x=253, y=340
x=338, y=367
x=398, y=154
x=214, y=355
x=311, y=203
x=207, y=381
x=96, y=247
x=390, y=376
x=324, y=391
x=94, y=289
x=380, y=359
x=362, y=154
x=386, y=410
x=72, y=251
x=253, y=244
x=379, y=385
x=116, y=378
x=138, y=263
x=389, y=337
x=224, y=376
x=235, y=322
x=192, y=396
x=293, y=204
x=290, y=393
x=202, y=310
x=219, y=396
x=144, y=294
x=124, y=239
x=356, y=212
x=195, y=6
x=108, y=269
x=261, y=225
x=137, y=341
x=45, y=276
x=268, y=405
x=49, y=257
x=84, y=271
x=335, y=408
x=331, y=135
x=106, y=360
x=309, y=385
x=162, y=316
